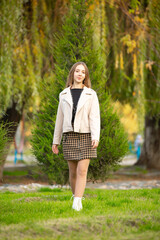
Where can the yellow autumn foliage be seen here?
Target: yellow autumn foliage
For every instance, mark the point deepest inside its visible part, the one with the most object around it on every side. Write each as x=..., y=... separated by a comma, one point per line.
x=127, y=41
x=121, y=60
x=128, y=117
x=149, y=65
x=138, y=19
x=34, y=3
x=116, y=61
x=135, y=70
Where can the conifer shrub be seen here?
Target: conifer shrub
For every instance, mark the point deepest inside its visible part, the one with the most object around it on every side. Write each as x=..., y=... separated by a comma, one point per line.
x=113, y=143
x=53, y=165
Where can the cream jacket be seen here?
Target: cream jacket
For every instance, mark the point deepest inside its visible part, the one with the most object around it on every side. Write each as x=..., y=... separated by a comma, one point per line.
x=87, y=118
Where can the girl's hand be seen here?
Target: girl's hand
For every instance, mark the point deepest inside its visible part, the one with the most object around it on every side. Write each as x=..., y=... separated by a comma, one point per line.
x=95, y=143
x=55, y=148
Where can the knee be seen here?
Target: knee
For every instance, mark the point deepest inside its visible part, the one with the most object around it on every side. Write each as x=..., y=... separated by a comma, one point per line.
x=73, y=174
x=82, y=172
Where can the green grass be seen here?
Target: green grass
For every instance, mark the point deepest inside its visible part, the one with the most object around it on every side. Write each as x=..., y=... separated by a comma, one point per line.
x=28, y=172
x=106, y=214
x=15, y=173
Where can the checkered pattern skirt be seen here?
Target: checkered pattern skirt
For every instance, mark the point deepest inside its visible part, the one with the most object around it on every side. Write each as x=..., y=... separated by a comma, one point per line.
x=77, y=146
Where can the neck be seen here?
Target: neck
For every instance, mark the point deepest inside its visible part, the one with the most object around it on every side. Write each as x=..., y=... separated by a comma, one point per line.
x=77, y=85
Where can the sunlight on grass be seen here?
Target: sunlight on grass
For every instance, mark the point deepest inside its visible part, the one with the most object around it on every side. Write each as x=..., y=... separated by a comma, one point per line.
x=46, y=189
x=122, y=214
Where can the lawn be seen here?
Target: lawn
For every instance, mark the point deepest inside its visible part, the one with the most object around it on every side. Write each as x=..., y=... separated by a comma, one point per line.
x=106, y=214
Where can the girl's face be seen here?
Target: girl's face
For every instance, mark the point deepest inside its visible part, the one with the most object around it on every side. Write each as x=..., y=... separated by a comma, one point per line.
x=79, y=74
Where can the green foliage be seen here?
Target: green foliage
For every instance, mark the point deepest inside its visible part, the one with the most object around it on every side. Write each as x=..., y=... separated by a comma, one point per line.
x=42, y=136
x=4, y=139
x=7, y=23
x=73, y=44
x=137, y=80
x=24, y=52
x=152, y=81
x=113, y=142
x=134, y=4
x=121, y=82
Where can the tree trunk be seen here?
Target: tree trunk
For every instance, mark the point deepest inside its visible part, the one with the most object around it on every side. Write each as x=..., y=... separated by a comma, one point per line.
x=1, y=171
x=11, y=116
x=150, y=155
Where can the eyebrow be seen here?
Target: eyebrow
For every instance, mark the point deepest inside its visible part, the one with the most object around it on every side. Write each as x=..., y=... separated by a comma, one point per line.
x=79, y=69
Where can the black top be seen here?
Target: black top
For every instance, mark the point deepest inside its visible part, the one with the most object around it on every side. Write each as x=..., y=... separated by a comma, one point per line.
x=75, y=92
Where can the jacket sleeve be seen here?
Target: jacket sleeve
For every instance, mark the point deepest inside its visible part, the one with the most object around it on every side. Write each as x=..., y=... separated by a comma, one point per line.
x=94, y=118
x=58, y=130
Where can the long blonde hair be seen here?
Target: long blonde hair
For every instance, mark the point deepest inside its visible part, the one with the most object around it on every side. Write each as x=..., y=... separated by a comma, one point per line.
x=70, y=78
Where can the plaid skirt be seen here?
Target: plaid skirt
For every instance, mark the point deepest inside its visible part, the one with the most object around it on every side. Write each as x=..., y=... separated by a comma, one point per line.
x=77, y=146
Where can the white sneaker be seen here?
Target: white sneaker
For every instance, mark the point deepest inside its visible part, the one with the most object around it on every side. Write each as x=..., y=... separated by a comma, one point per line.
x=77, y=205
x=80, y=202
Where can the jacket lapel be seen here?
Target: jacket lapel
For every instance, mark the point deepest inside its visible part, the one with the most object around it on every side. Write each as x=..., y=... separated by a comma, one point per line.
x=66, y=94
x=85, y=95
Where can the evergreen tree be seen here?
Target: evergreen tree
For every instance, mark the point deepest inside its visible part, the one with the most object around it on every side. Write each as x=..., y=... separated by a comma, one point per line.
x=73, y=44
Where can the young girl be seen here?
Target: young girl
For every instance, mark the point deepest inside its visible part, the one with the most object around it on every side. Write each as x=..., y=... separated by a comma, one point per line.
x=78, y=119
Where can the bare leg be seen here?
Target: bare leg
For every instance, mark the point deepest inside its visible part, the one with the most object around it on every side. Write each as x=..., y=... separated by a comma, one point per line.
x=72, y=174
x=82, y=169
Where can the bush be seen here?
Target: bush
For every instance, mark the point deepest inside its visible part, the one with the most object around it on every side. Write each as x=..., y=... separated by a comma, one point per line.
x=113, y=143
x=42, y=137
